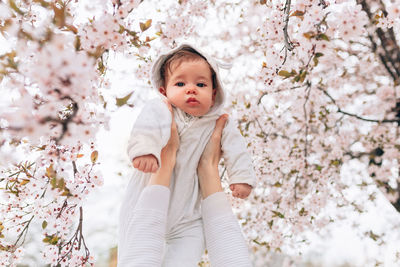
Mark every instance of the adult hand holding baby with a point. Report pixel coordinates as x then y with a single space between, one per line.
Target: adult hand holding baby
148 163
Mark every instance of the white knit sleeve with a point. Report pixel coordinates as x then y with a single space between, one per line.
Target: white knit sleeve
236 157
144 237
151 130
224 240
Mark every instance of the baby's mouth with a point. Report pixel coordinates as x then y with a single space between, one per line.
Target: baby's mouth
192 100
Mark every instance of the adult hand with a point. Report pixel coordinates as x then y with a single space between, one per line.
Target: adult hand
173 143
168 155
207 168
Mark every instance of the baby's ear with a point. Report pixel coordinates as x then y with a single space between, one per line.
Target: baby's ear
162 91
214 95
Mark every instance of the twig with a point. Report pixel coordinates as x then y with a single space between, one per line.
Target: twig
76 238
308 89
355 115
288 44
24 231
278 91
323 3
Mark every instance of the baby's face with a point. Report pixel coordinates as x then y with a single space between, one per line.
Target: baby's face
189 87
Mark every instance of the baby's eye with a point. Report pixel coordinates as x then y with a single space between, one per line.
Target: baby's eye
180 84
201 84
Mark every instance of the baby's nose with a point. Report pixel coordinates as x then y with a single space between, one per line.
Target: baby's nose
191 90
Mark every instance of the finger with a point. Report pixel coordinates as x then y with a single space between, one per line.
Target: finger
136 163
144 165
173 124
140 164
232 187
219 125
168 105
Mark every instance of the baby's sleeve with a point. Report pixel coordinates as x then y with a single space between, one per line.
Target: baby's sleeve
151 130
236 157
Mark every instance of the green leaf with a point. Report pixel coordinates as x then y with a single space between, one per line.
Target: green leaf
285 73
145 26
278 214
122 101
323 36
53 182
61 183
374 236
44 224
54 240
303 212
270 223
303 76
277 184
318 54
66 193
50 172
318 167
315 61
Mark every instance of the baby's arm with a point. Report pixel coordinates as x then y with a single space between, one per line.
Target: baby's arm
237 161
149 135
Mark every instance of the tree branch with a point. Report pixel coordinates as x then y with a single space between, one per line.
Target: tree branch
355 115
288 44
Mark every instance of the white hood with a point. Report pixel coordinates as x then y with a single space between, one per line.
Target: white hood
157 81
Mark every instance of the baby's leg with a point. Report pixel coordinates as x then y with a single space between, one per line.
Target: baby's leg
185 248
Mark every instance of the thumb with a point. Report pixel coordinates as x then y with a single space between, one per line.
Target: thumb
219 125
168 105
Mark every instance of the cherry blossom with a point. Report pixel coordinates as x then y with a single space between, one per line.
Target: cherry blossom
313 86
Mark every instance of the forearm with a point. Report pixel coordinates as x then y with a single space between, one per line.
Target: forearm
142 241
224 240
163 174
209 180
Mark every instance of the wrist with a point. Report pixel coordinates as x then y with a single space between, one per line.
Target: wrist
207 171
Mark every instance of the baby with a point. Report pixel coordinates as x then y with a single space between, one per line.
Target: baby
189 80
189 84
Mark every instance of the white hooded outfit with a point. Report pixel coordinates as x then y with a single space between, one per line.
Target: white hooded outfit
184 230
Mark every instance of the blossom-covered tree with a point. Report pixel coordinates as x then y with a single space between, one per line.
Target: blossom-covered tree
314 85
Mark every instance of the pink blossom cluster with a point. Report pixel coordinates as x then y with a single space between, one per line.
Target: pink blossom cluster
392 16
103 33
310 103
347 20
51 115
182 20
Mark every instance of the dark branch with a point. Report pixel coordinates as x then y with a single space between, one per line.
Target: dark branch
288 44
355 115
